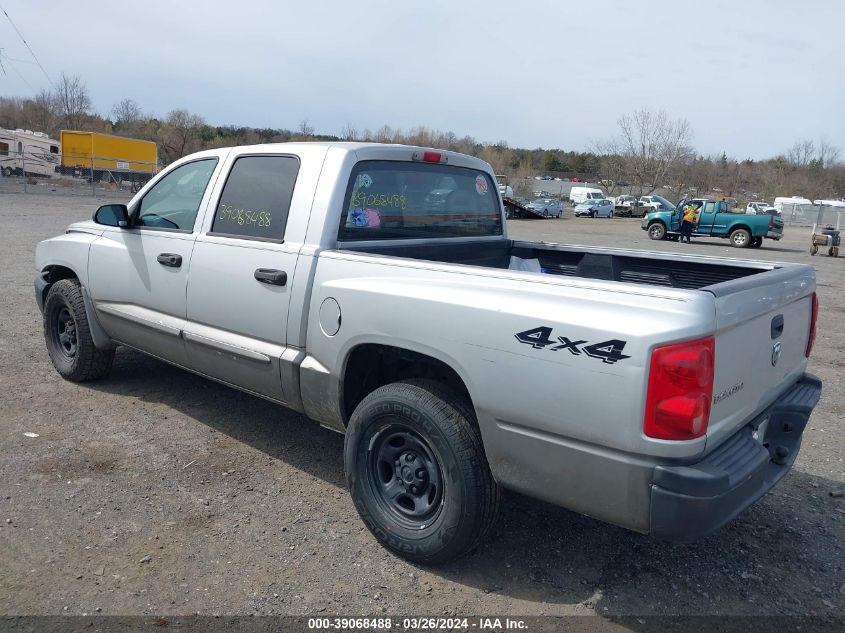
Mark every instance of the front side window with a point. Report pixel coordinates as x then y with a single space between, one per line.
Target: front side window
174 201
401 200
256 197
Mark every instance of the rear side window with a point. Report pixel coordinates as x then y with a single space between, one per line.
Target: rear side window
400 200
256 198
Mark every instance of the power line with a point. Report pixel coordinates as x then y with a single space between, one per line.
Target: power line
23 79
20 61
28 47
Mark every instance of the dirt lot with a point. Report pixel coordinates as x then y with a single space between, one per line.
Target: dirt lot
155 491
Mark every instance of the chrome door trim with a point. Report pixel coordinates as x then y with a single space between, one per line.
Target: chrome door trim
229 348
163 323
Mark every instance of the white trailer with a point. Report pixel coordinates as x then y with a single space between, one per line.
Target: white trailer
24 152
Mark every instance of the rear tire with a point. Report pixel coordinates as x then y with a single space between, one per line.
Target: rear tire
417 472
740 238
833 251
68 335
657 231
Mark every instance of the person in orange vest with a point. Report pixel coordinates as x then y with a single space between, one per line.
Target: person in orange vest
688 222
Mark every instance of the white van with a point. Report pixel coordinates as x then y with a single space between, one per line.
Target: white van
795 209
790 203
577 195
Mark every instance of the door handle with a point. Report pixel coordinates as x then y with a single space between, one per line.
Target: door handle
169 259
271 276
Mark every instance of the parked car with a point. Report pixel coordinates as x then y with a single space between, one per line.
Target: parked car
629 206
760 208
547 206
595 209
715 219
655 203
658 393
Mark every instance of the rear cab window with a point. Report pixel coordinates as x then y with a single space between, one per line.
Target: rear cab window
387 200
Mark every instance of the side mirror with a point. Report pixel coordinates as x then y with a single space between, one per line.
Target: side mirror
112 215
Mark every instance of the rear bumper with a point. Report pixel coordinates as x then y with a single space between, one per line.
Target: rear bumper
691 501
773 235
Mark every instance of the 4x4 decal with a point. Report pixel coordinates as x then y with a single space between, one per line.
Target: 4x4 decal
541 338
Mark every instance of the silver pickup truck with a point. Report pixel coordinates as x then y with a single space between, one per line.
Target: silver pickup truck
374 289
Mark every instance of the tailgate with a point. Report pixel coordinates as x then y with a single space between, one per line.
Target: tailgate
762 327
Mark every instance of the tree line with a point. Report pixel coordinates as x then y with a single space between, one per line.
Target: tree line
650 151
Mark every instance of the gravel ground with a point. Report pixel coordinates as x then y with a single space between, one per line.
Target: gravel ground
158 492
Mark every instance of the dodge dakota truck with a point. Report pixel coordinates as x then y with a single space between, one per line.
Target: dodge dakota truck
374 289
715 219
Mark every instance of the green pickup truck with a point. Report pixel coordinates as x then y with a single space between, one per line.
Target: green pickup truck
715 219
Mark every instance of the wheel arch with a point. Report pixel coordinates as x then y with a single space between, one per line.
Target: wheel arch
370 365
49 275
52 273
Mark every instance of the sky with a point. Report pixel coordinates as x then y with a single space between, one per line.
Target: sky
752 77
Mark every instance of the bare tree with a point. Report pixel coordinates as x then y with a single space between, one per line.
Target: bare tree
652 144
126 113
385 134
801 153
306 130
181 134
72 96
827 154
613 165
349 132
45 113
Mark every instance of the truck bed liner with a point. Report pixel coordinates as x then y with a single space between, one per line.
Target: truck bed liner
573 262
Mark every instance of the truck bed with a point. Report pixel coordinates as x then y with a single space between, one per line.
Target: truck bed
655 269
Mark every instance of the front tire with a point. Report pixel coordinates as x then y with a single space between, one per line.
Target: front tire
657 231
740 238
417 472
68 335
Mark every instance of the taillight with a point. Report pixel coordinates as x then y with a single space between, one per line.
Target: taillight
814 315
771 221
680 390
